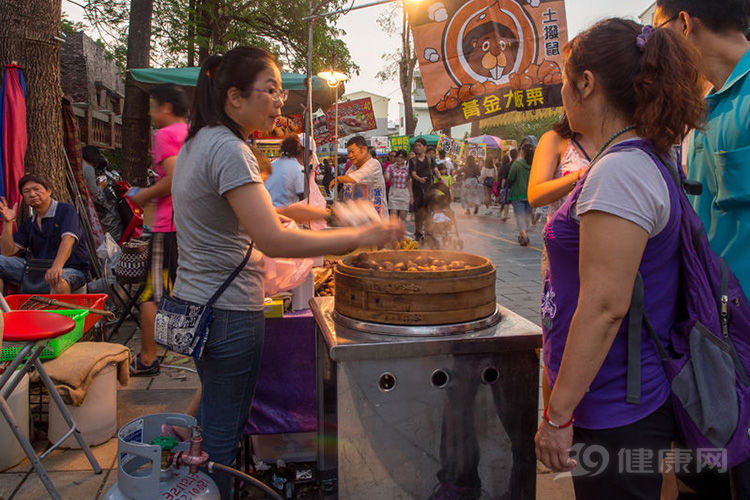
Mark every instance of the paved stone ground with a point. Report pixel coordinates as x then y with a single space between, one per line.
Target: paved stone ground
518 288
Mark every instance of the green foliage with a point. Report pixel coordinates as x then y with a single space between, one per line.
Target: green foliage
519 130
113 156
68 26
216 26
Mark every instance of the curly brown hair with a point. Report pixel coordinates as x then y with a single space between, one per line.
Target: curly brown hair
658 86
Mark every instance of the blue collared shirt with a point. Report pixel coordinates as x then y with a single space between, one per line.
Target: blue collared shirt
719 157
60 219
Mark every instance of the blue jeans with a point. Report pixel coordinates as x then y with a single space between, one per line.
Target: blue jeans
522 211
11 269
228 371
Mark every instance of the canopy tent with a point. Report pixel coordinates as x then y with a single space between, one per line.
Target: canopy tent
432 139
293 82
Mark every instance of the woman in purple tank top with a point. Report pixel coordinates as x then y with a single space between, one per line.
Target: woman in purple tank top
626 88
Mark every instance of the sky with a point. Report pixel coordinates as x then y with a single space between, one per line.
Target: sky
367 42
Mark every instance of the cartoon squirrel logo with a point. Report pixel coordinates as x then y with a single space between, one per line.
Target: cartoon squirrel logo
489 44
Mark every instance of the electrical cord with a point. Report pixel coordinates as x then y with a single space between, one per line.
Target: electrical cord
245 477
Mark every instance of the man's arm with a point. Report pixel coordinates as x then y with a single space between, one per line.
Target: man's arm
7 245
54 273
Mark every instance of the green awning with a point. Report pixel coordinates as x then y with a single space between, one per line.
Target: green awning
431 139
189 77
293 82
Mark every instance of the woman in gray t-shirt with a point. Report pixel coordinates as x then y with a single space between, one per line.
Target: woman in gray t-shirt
220 207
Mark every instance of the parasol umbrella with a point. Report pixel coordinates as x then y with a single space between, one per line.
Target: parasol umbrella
490 140
12 132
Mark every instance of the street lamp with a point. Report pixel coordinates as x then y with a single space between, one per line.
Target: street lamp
314 16
334 78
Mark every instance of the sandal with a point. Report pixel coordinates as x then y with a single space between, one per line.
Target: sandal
138 369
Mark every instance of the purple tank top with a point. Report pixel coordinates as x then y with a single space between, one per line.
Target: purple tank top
604 404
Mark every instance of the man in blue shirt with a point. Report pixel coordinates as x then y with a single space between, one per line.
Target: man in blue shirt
719 155
52 233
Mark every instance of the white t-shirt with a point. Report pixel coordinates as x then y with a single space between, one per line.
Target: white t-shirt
630 185
371 173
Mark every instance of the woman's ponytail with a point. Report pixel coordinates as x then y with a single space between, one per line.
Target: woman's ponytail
650 75
206 110
668 91
238 69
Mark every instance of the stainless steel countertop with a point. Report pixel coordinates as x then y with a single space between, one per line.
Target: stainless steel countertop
511 333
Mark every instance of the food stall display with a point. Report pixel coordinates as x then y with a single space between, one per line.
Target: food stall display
407 401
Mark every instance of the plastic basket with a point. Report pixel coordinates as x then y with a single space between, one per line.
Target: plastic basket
88 300
56 346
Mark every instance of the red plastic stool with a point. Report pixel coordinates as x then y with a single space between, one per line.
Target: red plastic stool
35 329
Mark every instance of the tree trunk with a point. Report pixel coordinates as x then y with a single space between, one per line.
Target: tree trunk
191 34
136 124
406 77
203 30
29 35
475 128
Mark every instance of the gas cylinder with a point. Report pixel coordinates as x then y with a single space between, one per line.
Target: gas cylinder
151 463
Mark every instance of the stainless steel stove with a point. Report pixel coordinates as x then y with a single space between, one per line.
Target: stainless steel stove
420 412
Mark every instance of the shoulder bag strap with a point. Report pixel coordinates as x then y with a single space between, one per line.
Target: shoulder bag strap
231 277
580 148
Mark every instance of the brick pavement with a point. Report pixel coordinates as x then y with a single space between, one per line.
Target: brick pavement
518 288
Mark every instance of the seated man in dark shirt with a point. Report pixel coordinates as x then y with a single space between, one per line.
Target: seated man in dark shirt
52 233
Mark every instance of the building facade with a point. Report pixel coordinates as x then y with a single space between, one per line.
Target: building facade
94 83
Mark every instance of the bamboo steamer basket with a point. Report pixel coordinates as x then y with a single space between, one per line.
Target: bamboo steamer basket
416 298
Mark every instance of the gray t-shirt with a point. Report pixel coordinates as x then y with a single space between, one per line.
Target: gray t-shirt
627 184
210 240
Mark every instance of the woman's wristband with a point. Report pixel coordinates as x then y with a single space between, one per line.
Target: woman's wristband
555 425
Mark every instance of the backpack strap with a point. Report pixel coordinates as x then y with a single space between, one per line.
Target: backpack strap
636 319
635 323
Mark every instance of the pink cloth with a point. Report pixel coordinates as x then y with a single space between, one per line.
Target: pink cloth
167 143
14 147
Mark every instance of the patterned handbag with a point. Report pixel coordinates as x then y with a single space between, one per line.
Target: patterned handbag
132 268
182 326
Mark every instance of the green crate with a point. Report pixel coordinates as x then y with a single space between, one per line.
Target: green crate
56 346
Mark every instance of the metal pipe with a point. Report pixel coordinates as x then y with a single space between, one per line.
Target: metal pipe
245 477
308 118
336 145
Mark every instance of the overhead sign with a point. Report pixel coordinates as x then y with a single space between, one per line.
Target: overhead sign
478 151
321 132
451 146
482 58
354 116
283 126
380 143
399 142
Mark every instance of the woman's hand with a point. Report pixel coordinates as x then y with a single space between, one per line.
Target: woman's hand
553 447
382 233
